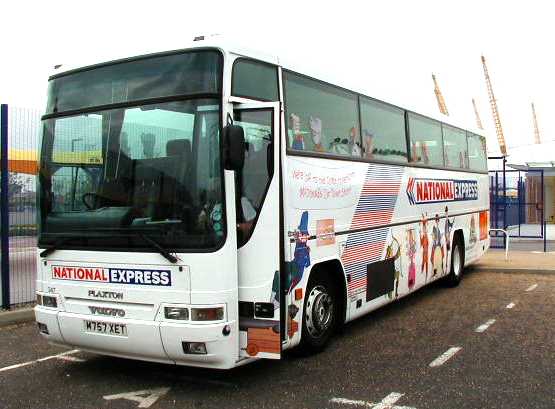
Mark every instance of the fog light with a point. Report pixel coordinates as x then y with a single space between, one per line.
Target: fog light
50 302
176 313
194 348
226 330
43 328
207 314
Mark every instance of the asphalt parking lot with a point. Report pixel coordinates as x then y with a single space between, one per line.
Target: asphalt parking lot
487 344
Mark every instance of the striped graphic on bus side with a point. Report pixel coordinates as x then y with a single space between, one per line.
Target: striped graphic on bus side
375 207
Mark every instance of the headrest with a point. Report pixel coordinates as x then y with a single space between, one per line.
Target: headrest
178 147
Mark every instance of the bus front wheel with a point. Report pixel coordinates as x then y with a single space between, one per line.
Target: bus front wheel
319 314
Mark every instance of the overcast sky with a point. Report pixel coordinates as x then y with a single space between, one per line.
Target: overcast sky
390 48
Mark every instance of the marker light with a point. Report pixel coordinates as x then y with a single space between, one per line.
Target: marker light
194 348
207 314
176 313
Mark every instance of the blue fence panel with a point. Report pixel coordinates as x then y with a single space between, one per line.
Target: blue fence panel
21 131
4 209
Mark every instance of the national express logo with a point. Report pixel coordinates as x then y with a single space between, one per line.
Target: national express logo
112 275
441 190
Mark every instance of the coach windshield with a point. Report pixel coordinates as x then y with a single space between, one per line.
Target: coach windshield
131 156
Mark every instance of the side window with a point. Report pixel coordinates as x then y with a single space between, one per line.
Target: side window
426 145
455 147
254 178
321 118
256 80
383 131
477 152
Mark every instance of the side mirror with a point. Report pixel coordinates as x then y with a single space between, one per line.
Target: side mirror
234 147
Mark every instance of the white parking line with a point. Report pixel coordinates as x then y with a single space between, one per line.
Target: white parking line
531 288
7 368
70 358
510 305
440 360
485 325
343 401
386 403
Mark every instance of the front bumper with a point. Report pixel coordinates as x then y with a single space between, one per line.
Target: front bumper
156 341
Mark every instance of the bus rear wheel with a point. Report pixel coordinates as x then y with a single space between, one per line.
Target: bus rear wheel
457 263
319 314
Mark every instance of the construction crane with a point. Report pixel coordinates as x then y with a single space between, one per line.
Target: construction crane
439 97
478 120
536 129
494 111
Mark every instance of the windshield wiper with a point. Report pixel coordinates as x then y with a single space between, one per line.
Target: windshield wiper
167 255
153 243
49 250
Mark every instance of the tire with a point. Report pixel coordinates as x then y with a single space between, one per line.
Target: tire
320 314
457 263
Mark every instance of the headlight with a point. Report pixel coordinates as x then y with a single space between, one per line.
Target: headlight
207 314
194 348
47 301
176 313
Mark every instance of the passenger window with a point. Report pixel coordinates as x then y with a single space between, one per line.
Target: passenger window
321 118
256 80
455 147
426 144
477 152
254 178
383 131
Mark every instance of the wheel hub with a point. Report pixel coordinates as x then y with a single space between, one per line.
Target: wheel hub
319 311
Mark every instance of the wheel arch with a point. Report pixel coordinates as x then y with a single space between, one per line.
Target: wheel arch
334 269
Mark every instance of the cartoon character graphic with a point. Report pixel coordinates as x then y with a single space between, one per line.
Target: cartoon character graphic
411 253
414 152
339 146
347 146
295 125
437 249
274 298
448 229
292 325
393 251
353 143
368 140
425 153
316 133
301 257
473 237
424 243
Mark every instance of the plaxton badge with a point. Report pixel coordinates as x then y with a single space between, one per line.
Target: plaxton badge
111 295
441 190
112 275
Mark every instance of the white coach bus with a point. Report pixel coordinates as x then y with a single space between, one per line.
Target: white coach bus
210 207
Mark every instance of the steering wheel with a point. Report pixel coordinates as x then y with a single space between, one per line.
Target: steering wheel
85 201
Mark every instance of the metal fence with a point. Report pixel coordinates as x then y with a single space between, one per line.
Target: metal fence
19 146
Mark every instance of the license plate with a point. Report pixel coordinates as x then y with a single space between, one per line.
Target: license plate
110 328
